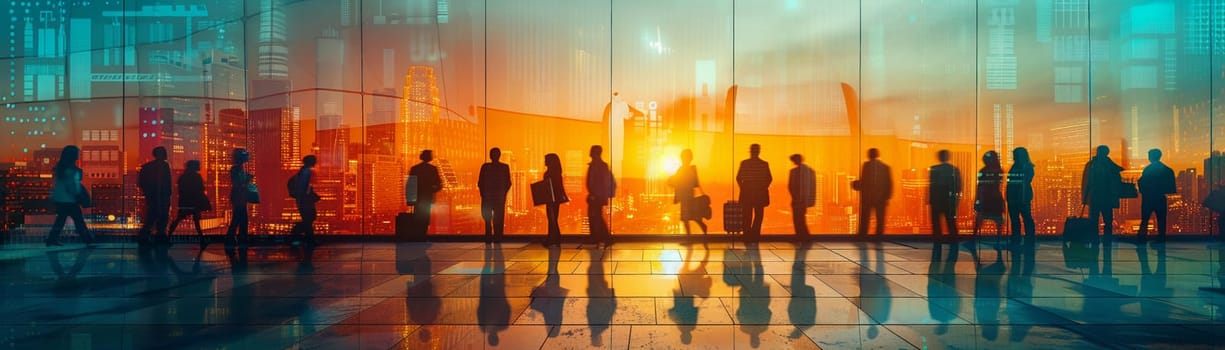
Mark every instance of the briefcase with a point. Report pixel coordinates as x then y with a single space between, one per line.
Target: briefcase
1128 190
543 192
404 227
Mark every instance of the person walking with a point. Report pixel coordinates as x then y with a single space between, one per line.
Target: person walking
802 184
943 196
155 184
601 188
875 186
1020 196
305 197
242 193
1100 190
192 199
68 196
429 183
1155 183
754 179
494 184
684 182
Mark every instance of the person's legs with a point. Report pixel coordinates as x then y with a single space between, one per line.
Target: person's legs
78 220
757 217
309 214
1108 223
1146 212
799 213
880 218
864 210
195 218
935 218
499 220
487 216
1095 214
701 224
148 220
595 218
163 218
61 215
551 212
950 220
174 224
421 216
1161 221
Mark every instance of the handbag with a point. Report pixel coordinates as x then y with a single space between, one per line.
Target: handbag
1128 190
703 206
252 193
84 199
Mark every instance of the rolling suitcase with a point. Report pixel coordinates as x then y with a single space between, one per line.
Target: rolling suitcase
1079 229
733 217
404 227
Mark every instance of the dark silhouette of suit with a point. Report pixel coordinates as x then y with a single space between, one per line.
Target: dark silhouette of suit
754 179
943 196
875 189
428 185
192 200
155 184
601 187
802 184
1155 183
494 183
1100 191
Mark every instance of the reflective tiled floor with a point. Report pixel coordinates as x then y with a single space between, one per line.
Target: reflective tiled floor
632 296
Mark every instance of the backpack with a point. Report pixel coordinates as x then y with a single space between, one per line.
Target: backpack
292 185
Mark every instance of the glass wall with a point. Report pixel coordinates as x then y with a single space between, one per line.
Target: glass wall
366 85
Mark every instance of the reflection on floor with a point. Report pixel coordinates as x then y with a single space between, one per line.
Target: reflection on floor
633 295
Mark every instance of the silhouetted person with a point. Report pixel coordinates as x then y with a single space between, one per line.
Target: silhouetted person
601 187
1100 189
943 195
942 282
754 312
692 283
1020 195
429 183
68 194
552 174
421 302
754 179
549 298
802 185
601 298
306 199
240 197
493 310
802 306
684 183
192 200
875 186
155 184
989 201
494 183
1155 183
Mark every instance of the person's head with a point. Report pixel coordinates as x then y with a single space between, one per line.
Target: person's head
241 156
1020 155
686 156
1154 155
873 153
68 157
754 150
552 162
596 151
495 154
309 161
192 166
1103 151
991 158
159 153
943 155
426 156
796 159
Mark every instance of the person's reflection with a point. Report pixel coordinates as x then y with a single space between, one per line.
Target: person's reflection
942 276
754 312
420 302
549 297
684 311
602 299
242 296
875 298
1153 282
987 296
493 312
66 280
802 307
1020 284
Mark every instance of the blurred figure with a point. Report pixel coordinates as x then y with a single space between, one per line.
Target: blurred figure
989 201
493 309
192 199
242 192
1020 196
684 182
1155 183
155 184
601 297
1100 189
601 187
943 195
494 184
305 197
754 179
429 183
552 174
875 186
802 184
69 196
754 312
549 298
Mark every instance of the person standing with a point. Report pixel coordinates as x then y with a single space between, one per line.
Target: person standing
802 184
601 187
989 204
241 194
1155 183
306 199
754 179
1020 196
192 199
429 183
875 186
494 184
1100 189
552 175
155 184
68 194
684 182
943 195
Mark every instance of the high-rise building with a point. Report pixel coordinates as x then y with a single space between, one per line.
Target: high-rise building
228 131
272 50
274 137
